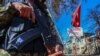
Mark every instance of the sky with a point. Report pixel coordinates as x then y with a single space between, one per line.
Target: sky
64 20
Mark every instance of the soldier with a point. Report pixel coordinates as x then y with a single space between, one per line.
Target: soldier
24 22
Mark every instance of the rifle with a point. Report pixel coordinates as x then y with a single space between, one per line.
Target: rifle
50 37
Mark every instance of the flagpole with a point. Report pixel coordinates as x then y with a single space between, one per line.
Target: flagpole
75 24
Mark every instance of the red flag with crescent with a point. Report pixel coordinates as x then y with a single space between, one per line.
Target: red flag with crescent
76 17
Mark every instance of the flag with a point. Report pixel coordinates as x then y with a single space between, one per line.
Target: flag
76 17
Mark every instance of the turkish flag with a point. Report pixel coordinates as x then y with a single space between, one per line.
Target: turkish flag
76 17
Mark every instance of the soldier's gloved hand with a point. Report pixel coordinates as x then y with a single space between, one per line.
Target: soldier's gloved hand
25 11
58 51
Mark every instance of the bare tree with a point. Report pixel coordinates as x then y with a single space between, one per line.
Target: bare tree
95 15
58 6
